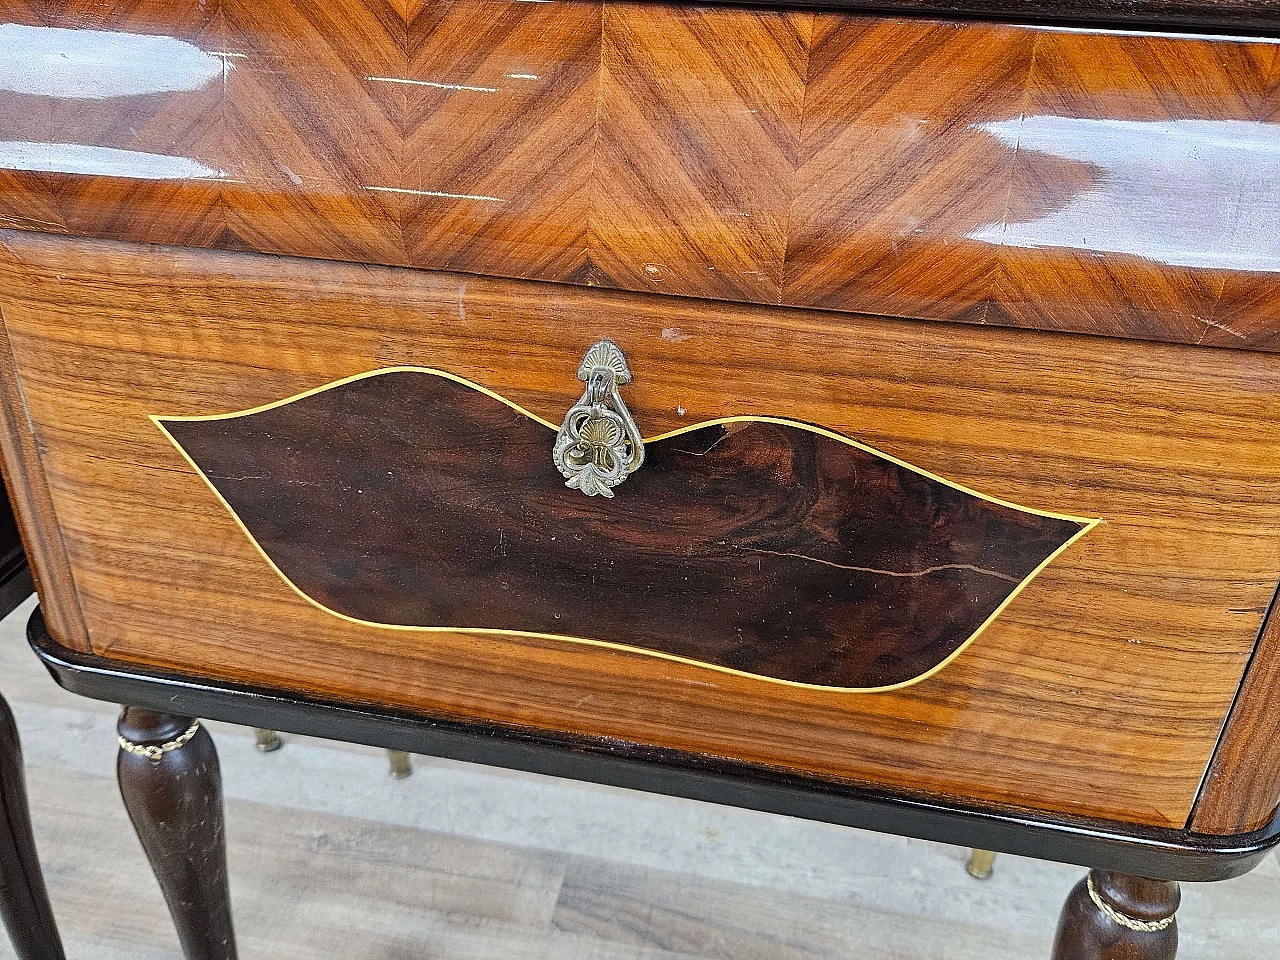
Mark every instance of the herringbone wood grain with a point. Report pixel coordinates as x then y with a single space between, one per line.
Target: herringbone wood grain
499 134
700 114
902 166
893 170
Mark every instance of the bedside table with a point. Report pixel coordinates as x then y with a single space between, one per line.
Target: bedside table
862 417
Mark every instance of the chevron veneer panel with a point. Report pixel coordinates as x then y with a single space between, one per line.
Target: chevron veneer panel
178 198
305 135
1129 212
499 136
1072 180
895 169
700 113
27 199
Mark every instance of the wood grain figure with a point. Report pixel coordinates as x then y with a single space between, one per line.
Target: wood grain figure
1101 691
935 506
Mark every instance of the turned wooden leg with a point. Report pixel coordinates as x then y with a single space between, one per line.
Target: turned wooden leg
172 788
24 904
1113 916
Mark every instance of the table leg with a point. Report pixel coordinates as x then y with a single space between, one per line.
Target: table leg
24 904
1113 916
981 864
267 741
401 765
172 788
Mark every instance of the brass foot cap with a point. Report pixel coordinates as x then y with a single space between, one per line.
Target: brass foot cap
268 741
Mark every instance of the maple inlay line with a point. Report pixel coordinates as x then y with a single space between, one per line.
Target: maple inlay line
888 573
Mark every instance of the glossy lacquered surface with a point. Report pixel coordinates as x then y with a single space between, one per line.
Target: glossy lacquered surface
1100 691
1242 785
1118 183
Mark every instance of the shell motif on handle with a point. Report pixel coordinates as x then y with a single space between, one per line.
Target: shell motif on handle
599 445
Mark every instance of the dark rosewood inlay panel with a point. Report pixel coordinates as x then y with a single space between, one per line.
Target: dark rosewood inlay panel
409 498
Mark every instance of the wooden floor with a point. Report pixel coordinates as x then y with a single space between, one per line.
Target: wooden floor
331 859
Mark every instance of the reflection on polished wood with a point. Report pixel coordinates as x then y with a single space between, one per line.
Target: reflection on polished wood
1101 692
1076 180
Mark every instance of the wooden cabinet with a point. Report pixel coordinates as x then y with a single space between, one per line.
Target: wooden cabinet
952 346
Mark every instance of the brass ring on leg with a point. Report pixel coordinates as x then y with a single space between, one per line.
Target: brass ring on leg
1141 926
156 751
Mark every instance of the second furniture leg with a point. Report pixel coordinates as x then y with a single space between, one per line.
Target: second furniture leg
401 765
24 904
1114 916
172 788
267 741
981 864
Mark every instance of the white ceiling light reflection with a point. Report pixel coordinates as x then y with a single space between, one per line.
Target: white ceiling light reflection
101 162
438 193
439 85
97 64
1190 193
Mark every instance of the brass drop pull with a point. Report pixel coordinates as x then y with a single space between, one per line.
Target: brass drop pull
599 445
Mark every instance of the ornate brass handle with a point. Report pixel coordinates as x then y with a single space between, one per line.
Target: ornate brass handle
599 445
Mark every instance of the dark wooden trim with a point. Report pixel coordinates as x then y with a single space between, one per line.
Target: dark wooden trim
15 581
1253 17
1145 851
175 804
24 902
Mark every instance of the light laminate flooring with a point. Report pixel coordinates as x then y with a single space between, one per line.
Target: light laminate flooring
332 859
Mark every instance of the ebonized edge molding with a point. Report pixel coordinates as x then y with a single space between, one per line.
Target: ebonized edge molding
1170 16
1159 853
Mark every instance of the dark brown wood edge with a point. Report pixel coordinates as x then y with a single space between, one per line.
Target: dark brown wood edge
24 901
1088 927
1254 17
25 910
174 802
1241 788
1145 851
30 498
15 582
